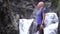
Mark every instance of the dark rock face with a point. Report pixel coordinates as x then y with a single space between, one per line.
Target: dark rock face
11 11
8 20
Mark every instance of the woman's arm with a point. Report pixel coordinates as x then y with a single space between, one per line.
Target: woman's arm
43 19
42 25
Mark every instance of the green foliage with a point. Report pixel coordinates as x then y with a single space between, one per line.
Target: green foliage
59 5
59 8
54 3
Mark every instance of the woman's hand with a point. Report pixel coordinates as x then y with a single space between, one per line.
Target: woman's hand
41 27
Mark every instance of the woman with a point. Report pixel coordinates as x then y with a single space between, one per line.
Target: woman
40 16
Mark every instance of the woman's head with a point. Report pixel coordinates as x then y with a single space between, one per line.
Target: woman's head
40 4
